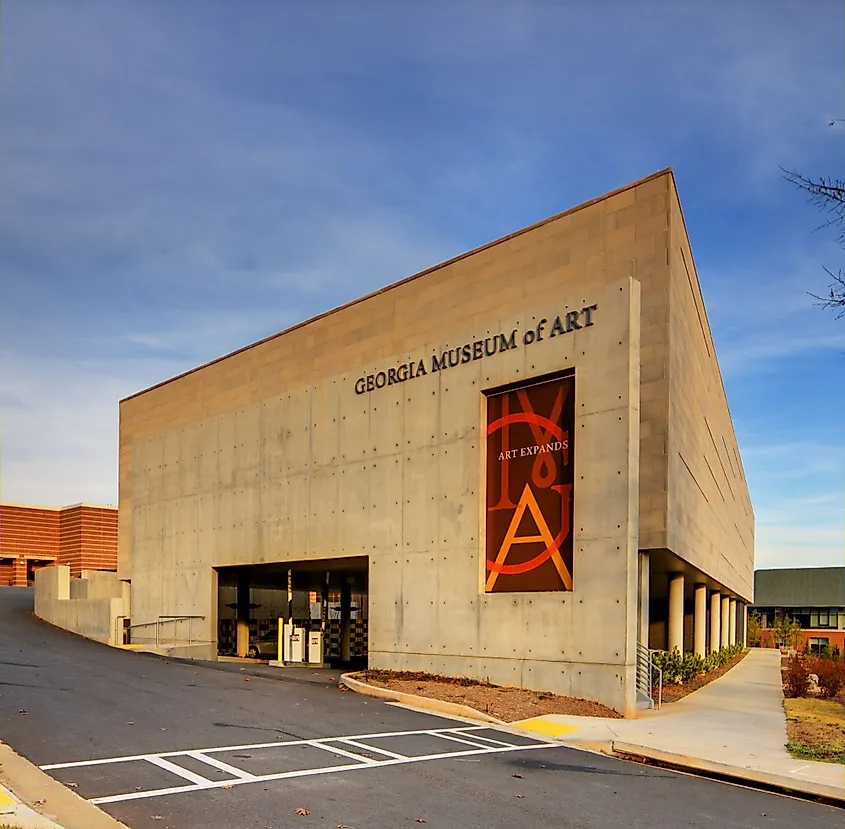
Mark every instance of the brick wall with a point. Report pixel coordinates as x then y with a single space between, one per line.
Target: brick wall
13 572
81 536
88 538
28 531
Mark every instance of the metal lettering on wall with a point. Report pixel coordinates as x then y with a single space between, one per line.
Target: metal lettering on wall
488 347
530 459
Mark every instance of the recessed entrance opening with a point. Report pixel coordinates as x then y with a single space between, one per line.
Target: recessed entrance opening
329 596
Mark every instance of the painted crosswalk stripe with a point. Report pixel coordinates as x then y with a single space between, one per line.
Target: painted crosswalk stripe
464 736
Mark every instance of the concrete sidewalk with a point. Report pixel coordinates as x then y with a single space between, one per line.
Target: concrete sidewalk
736 723
30 799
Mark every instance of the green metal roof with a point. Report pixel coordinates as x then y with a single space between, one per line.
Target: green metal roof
800 587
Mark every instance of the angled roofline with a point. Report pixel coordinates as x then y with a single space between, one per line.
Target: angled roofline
666 171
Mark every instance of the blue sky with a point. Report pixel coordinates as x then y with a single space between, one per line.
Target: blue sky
180 179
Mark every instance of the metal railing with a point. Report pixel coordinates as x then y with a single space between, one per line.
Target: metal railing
161 639
646 670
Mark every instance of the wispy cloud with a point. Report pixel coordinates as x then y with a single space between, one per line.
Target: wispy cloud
178 180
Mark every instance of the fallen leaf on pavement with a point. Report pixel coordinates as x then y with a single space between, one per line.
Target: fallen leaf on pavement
418 820
246 679
518 776
131 722
158 817
72 785
23 711
226 787
302 812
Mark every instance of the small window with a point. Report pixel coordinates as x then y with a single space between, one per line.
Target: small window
817 645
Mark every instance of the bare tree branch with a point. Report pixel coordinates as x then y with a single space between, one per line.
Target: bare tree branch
836 296
828 194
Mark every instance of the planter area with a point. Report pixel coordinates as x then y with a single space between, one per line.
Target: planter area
814 691
684 674
507 704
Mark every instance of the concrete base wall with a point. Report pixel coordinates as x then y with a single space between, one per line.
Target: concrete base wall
91 606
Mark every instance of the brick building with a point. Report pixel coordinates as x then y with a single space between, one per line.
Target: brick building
82 536
812 596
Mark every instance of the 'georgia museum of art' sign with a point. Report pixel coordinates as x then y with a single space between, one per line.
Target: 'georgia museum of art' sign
488 347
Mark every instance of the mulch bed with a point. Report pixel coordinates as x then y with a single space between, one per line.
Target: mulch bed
672 693
508 704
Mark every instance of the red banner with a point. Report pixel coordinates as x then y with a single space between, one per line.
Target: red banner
530 480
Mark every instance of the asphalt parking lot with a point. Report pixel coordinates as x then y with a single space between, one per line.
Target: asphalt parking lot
159 743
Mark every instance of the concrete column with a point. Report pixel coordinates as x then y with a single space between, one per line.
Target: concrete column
642 608
732 623
242 624
715 621
676 612
700 621
345 618
744 618
724 640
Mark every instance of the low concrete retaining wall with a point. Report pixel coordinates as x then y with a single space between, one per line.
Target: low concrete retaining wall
91 606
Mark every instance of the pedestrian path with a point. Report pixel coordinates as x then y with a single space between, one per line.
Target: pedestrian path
18 815
735 721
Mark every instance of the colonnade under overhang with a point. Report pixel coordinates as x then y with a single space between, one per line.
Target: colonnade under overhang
680 607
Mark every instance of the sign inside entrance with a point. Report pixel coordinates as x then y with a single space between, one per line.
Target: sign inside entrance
530 459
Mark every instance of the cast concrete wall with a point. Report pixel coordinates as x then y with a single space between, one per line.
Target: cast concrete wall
322 472
268 454
89 608
709 519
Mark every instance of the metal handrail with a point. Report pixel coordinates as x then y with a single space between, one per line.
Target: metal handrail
164 619
645 674
660 682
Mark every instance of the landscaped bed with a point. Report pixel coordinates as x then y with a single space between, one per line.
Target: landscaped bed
674 692
814 687
508 704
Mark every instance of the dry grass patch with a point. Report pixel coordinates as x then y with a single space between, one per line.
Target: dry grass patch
816 729
508 704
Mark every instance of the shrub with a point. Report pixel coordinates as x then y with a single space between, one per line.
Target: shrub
678 669
755 630
831 676
831 652
796 677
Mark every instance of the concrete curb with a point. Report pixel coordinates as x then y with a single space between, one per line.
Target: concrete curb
625 751
41 794
453 709
756 778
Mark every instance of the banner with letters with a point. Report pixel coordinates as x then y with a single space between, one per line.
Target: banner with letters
530 480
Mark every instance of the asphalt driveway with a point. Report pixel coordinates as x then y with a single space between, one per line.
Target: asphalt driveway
178 744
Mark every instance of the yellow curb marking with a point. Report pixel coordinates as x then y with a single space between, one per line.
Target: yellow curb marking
544 726
6 799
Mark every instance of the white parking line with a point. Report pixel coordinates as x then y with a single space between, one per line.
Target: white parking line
240 777
344 753
384 751
219 764
178 770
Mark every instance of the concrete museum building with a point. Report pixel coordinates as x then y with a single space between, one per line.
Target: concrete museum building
515 466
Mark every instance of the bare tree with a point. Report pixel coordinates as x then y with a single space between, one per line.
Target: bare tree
828 194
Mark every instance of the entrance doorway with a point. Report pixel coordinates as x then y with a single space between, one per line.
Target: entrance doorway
326 595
